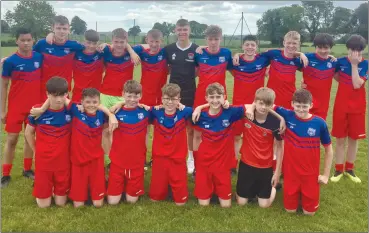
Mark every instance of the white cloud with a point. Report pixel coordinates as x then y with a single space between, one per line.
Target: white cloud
85 4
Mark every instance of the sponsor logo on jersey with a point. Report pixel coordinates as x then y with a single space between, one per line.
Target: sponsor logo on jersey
50 50
174 56
311 132
247 125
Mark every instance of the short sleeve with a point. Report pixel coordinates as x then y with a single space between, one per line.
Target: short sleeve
325 138
270 54
76 46
275 129
7 69
32 121
138 49
187 112
338 65
197 59
166 53
230 61
37 46
363 72
72 109
282 111
237 113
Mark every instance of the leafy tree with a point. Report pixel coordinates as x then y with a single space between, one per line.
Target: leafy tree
134 31
78 26
5 27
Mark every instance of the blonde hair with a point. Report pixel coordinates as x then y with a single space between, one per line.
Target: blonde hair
292 35
171 90
266 95
215 88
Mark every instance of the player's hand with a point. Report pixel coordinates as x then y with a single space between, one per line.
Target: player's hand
250 114
323 179
3 59
101 47
157 107
181 106
226 104
333 58
282 126
80 108
50 38
3 117
135 59
303 84
236 60
267 72
354 58
147 108
115 108
36 112
199 49
113 123
196 114
304 59
275 179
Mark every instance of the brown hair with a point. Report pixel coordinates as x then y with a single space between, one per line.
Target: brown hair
266 95
119 33
302 96
57 86
90 92
155 33
182 23
171 90
213 31
60 19
292 35
215 88
356 43
132 86
92 35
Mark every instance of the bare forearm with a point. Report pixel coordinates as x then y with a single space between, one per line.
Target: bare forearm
357 82
328 157
279 157
4 94
104 109
30 137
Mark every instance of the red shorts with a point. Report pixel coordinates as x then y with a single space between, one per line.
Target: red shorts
348 124
16 120
122 180
319 112
76 95
166 171
208 182
49 182
307 187
90 176
238 127
151 99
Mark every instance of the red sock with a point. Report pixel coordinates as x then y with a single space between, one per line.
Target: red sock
7 169
339 167
274 164
348 166
27 164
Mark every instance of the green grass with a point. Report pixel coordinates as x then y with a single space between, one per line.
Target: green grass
343 206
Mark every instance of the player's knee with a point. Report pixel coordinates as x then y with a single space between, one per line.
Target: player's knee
340 142
180 204
60 200
114 200
131 199
264 203
308 213
290 211
204 202
241 201
225 203
12 140
77 204
43 203
98 203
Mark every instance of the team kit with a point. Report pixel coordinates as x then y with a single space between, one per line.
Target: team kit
87 122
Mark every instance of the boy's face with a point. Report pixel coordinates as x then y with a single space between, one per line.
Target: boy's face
25 42
250 47
57 101
323 51
291 45
90 104
131 99
213 42
154 43
261 107
119 44
301 109
61 31
170 104
90 46
182 32
215 100
350 51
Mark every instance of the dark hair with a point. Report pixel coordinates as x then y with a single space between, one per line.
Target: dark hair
323 40
90 92
60 19
356 43
132 86
302 96
182 23
22 31
250 38
57 86
92 35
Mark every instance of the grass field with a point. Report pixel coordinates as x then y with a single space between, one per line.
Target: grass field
343 206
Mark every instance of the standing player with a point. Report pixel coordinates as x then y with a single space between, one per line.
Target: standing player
318 75
350 107
23 70
181 60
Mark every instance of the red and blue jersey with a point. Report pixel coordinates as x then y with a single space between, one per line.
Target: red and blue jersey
302 143
53 130
88 69
118 70
282 76
128 149
154 72
248 77
86 135
349 99
58 60
216 150
170 135
318 76
212 68
25 76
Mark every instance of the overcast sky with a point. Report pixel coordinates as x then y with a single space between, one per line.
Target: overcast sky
114 14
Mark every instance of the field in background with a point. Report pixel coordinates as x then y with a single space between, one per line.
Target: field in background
343 206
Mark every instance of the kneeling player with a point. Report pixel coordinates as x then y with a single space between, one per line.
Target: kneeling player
255 174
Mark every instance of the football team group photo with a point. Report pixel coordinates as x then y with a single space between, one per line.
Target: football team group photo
159 133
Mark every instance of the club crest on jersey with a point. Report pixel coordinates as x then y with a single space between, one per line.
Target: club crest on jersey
329 65
160 57
225 123
292 63
140 115
221 59
66 50
173 56
264 134
37 64
311 132
97 122
68 118
95 58
247 125
126 58
191 56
